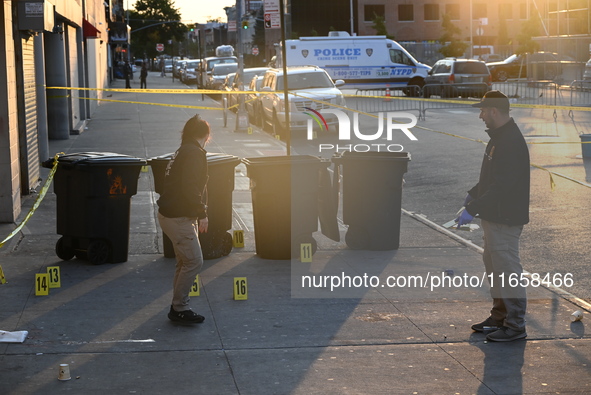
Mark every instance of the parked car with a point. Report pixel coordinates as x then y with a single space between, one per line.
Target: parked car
168 65
315 89
542 65
219 73
451 77
189 71
228 87
205 68
252 100
245 77
177 67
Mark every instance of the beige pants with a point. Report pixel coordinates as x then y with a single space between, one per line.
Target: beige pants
183 233
501 259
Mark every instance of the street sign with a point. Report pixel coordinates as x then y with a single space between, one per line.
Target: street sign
232 26
159 47
272 17
255 50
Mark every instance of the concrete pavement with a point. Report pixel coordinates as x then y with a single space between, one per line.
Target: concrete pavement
109 322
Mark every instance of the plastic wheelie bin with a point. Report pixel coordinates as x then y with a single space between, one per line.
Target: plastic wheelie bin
217 242
285 194
94 191
372 197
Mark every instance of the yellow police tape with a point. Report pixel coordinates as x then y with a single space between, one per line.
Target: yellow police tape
37 201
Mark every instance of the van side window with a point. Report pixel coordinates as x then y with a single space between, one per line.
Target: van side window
397 56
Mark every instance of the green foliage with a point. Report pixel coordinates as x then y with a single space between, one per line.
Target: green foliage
452 46
529 29
379 25
145 16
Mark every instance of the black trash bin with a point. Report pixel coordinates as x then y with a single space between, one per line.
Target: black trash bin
372 197
285 195
94 191
217 242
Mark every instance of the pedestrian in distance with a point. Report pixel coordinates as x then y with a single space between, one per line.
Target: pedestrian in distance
182 213
501 201
143 76
127 73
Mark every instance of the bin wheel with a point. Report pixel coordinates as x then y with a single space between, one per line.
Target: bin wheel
64 252
98 252
356 238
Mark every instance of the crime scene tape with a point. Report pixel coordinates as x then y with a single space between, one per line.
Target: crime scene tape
38 201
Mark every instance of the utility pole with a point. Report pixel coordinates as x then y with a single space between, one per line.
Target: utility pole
242 122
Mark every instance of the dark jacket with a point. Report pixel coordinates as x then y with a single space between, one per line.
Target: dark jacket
185 180
502 192
144 73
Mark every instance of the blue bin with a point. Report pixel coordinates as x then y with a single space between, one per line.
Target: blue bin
586 148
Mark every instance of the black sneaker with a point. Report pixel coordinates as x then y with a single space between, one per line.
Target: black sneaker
490 324
506 334
187 316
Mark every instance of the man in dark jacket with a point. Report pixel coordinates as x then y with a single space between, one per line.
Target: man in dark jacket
127 74
182 213
501 201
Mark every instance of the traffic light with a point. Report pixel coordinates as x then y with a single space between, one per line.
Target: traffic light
245 25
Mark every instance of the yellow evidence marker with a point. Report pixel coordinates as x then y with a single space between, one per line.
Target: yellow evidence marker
195 290
41 284
240 288
306 252
54 276
238 239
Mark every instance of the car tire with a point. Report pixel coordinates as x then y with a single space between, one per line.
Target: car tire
500 75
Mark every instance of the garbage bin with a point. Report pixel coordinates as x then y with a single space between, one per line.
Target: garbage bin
217 242
586 145
285 194
372 197
94 191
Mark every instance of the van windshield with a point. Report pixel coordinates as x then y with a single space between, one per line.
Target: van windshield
398 56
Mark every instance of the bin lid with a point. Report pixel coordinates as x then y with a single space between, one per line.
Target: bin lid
281 160
371 155
100 158
212 158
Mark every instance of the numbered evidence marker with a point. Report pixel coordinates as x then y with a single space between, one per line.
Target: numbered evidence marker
54 276
238 239
41 284
2 278
195 287
240 288
306 252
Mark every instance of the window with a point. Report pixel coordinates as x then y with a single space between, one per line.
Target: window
453 10
505 11
397 56
431 12
522 11
370 11
479 11
405 13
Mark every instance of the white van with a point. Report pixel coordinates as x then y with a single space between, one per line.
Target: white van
363 62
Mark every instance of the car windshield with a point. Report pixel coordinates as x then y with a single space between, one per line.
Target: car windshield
306 81
192 64
224 69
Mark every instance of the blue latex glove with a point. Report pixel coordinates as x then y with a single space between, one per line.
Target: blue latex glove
467 200
464 218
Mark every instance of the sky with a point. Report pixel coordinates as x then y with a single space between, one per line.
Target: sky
202 10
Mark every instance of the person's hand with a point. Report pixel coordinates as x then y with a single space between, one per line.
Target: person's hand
203 224
467 200
464 218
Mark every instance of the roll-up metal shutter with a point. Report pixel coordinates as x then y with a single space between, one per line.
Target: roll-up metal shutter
30 175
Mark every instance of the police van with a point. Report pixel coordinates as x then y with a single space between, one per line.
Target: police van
363 62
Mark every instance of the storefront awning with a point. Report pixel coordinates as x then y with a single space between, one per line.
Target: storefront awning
89 30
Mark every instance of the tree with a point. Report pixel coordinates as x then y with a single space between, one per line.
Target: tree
452 46
144 21
379 25
529 29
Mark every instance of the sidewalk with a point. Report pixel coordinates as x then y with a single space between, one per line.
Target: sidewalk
109 322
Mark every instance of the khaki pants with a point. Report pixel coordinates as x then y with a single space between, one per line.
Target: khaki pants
501 258
183 233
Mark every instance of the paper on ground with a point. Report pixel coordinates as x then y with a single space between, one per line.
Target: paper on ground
454 224
13 337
